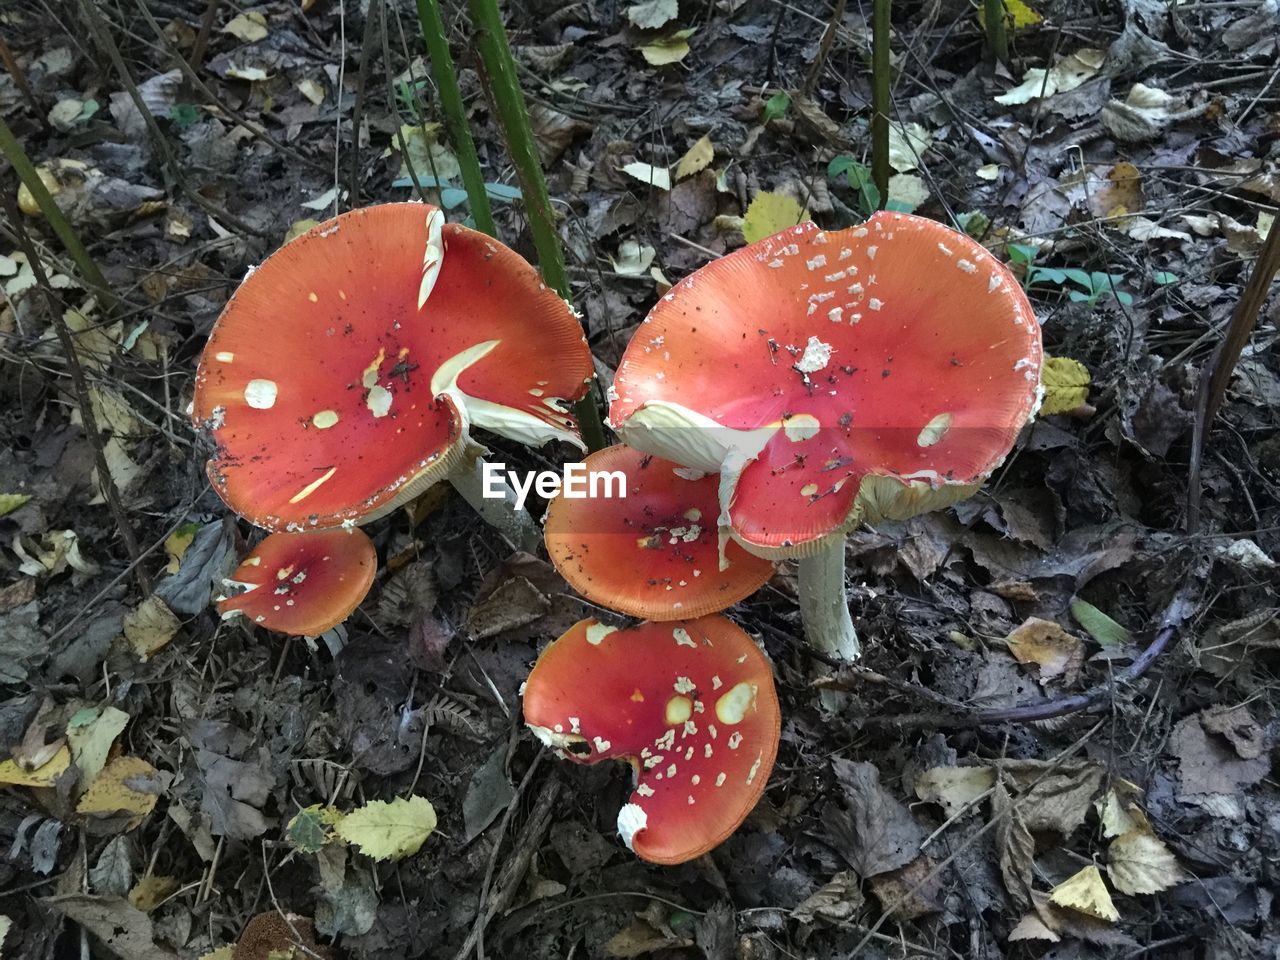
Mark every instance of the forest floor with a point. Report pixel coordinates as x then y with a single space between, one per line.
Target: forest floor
933 814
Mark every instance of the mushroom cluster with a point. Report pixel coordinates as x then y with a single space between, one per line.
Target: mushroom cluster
832 378
346 375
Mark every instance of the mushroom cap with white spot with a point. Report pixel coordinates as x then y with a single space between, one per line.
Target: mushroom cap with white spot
333 395
635 696
653 554
912 368
303 584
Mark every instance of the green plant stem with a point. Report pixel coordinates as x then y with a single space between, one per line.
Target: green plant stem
455 113
880 83
509 102
26 171
997 32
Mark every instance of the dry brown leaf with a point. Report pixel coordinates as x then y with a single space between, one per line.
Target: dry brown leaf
1015 846
955 788
1031 927
1054 652
150 626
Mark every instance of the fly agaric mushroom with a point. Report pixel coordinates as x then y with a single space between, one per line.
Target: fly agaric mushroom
345 375
833 378
303 584
690 704
653 552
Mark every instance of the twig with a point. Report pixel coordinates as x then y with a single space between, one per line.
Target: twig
105 481
20 79
824 49
30 178
454 112
202 38
881 27
362 79
499 74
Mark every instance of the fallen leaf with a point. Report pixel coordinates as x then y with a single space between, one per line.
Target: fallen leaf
310 89
1209 764
1054 796
1118 813
312 827
1139 862
1031 927
432 161
908 191
909 892
907 144
875 832
112 874
10 502
837 900
634 259
955 788
126 791
1086 893
90 733
175 545
1142 115
514 603
151 891
769 213
389 831
1015 846
659 177
1105 631
653 13
667 50
13 775
249 27
1066 385
124 931
1065 75
698 157
1054 652
150 626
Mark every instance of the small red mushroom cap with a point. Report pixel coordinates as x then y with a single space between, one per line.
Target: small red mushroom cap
345 374
303 584
833 377
653 553
689 703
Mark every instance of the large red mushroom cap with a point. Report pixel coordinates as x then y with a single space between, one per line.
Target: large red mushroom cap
653 553
689 703
303 584
343 377
833 377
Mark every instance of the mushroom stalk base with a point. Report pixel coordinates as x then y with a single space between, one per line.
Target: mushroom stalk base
824 608
501 513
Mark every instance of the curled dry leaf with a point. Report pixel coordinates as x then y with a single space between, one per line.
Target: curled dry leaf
14 775
659 177
1067 74
1054 652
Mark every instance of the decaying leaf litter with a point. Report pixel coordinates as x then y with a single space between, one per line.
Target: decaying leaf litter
167 777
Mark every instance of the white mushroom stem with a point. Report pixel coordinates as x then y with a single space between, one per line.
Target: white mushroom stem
514 523
824 606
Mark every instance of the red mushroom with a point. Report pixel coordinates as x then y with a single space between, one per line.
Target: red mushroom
652 553
303 584
346 373
833 378
690 704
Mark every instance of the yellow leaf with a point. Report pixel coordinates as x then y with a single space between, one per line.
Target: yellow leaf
151 891
178 541
128 786
1086 893
1055 652
770 213
1118 813
1023 15
430 158
1064 76
10 502
659 177
1066 385
91 733
150 626
698 158
1139 862
229 951
249 27
13 775
389 831
667 50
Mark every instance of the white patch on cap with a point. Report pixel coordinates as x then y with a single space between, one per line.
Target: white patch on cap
967 266
645 790
313 486
720 778
324 419
224 356
601 744
379 400
875 304
682 638
679 710
801 427
685 685
755 768
808 490
598 631
816 356
835 314
934 430
732 707
433 255
631 820
260 394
